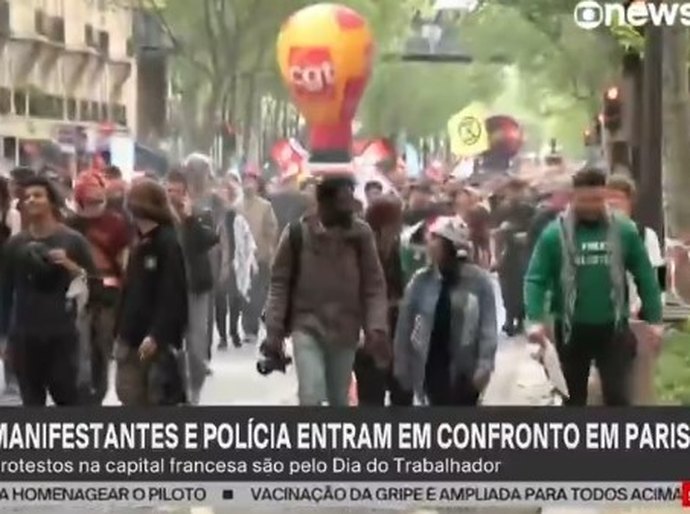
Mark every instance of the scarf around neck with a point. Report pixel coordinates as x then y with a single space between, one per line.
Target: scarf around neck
568 226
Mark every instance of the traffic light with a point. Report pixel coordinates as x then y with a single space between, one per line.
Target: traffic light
587 137
592 134
613 109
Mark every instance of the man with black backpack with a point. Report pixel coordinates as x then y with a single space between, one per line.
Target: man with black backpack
327 285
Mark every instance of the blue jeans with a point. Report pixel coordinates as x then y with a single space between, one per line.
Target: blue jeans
324 371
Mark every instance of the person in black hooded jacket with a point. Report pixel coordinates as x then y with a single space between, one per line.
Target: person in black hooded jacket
153 313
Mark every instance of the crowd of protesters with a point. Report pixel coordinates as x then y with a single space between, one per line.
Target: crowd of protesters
394 288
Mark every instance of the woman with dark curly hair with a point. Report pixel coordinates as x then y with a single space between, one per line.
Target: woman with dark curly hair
385 217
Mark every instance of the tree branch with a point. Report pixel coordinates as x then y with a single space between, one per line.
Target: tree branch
211 36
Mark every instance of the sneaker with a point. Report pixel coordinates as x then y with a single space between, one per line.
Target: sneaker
223 345
236 341
250 339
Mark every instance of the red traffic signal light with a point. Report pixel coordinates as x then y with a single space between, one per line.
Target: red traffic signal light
612 93
613 109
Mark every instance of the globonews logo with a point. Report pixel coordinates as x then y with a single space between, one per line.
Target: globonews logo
590 14
312 72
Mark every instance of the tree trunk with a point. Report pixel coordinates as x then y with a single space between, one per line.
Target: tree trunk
676 123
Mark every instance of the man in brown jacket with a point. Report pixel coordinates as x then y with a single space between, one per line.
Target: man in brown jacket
264 227
325 299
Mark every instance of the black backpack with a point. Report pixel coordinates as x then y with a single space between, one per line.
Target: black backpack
295 236
295 239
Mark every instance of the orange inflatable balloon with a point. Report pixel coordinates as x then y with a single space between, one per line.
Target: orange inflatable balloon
325 57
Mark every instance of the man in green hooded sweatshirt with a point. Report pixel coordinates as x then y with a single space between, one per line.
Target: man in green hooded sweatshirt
580 261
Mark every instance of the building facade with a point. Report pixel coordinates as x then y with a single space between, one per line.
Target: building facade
67 71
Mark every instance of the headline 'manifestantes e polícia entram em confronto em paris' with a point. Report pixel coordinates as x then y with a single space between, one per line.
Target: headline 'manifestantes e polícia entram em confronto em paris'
254 435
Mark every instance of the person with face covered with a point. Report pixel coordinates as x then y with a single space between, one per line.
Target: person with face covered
42 266
109 237
198 237
446 334
204 202
326 294
582 260
153 313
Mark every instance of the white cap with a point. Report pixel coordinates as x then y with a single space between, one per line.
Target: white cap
331 169
452 228
234 174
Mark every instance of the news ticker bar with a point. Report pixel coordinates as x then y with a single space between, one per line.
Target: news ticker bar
326 494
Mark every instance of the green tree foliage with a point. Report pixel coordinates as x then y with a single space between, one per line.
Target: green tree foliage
418 98
226 62
226 54
562 70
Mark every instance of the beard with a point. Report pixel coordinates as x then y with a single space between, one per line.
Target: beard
590 218
337 218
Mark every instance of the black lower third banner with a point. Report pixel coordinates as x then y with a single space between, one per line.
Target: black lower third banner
298 444
513 450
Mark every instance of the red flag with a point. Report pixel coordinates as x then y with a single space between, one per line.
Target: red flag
288 156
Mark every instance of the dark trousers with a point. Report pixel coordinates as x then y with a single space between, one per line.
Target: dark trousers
228 303
47 364
461 393
373 382
251 313
511 277
612 350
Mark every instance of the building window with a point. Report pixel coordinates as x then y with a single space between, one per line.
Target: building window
71 109
40 23
84 110
89 37
104 42
5 25
58 30
57 105
120 114
37 105
5 100
20 107
9 149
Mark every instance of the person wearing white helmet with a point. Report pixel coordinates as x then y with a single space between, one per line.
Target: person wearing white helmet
446 335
